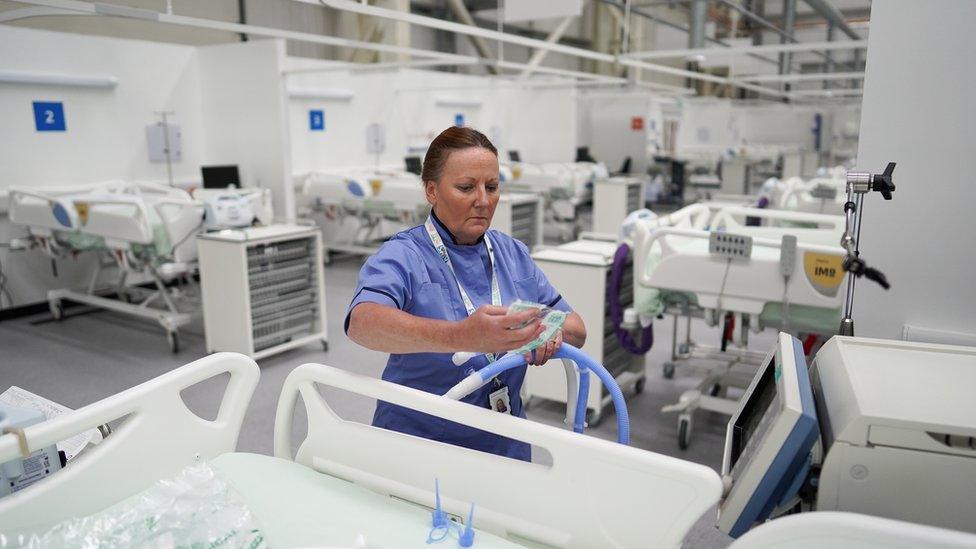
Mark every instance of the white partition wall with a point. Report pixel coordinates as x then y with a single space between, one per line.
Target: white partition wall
244 107
413 106
918 112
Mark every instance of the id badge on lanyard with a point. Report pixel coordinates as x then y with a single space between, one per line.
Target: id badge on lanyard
441 249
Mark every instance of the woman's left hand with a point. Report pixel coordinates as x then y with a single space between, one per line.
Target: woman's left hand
541 354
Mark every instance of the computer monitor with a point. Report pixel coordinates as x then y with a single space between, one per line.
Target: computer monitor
514 156
220 177
769 439
414 165
583 155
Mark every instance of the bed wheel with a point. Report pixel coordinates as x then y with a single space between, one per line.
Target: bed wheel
668 369
325 346
639 386
684 432
593 418
174 341
57 310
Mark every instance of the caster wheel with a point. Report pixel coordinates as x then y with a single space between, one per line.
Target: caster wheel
639 387
668 369
593 418
174 341
325 346
715 390
57 310
684 432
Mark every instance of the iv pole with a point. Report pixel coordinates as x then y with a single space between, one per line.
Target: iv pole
859 184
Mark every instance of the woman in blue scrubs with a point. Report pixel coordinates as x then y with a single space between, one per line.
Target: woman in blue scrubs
444 287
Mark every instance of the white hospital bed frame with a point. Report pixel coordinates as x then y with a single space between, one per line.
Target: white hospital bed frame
595 494
120 230
369 213
711 393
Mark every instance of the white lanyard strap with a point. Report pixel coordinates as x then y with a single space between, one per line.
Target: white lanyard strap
441 249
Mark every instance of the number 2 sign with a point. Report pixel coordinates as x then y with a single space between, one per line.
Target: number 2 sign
49 117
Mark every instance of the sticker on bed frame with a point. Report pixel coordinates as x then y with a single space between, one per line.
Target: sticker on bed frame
824 271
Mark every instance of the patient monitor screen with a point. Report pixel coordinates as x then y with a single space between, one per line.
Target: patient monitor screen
220 177
749 424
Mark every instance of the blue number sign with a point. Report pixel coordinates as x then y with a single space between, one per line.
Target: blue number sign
49 117
316 120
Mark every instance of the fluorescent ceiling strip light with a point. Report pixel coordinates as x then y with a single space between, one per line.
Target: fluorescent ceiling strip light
48 79
745 50
827 93
459 103
556 72
323 94
803 77
664 69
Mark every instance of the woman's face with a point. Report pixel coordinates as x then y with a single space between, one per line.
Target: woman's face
466 195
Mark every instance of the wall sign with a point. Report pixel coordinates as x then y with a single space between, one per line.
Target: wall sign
49 116
459 119
375 139
316 120
637 123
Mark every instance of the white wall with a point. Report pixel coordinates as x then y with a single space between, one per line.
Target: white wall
244 110
605 122
105 135
409 104
918 112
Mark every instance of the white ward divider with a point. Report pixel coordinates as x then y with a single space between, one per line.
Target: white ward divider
595 494
159 437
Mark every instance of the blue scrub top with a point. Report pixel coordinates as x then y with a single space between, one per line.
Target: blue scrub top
408 274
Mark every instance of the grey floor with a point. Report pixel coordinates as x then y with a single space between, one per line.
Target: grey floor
93 354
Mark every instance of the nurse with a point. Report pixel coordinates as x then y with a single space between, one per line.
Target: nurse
444 287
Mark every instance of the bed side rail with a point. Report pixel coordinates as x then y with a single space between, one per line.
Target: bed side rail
732 217
159 437
595 494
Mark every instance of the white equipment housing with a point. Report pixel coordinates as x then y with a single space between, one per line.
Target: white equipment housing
895 423
263 289
818 195
24 470
235 208
613 199
849 531
520 216
898 422
580 271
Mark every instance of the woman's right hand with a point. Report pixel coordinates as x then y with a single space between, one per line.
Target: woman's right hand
490 329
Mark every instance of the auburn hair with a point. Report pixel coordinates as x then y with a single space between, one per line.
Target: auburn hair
452 139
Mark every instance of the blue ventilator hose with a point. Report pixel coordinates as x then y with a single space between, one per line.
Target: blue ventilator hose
585 365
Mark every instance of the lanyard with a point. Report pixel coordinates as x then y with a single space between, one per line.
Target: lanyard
441 249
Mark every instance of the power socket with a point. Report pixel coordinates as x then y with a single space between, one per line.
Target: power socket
729 246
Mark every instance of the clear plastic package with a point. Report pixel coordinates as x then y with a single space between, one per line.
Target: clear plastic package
196 508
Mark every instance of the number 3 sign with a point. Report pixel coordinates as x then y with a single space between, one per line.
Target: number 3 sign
49 117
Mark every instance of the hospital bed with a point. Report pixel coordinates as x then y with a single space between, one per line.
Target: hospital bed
785 273
357 209
350 480
146 229
565 186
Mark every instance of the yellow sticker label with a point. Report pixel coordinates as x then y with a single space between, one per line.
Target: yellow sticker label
376 185
82 209
824 271
516 172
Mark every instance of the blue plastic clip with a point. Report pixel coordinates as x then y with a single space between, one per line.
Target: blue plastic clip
467 536
438 517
